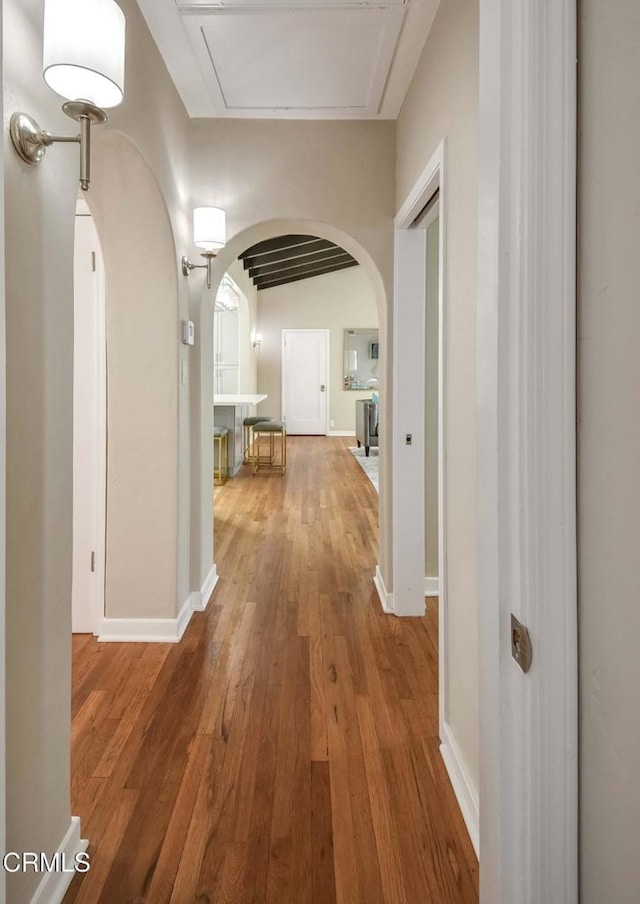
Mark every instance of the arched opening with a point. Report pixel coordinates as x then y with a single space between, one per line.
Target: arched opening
142 388
203 460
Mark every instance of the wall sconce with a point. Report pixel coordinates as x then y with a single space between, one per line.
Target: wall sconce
83 61
257 340
209 233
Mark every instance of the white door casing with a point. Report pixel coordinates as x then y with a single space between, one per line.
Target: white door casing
526 450
3 519
305 381
89 428
408 511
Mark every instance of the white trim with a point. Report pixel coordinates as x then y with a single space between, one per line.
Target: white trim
146 630
386 598
200 598
93 606
341 433
408 471
159 630
54 885
431 586
526 450
465 791
3 514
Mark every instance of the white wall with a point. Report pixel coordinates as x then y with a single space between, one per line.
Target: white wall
609 449
334 301
442 102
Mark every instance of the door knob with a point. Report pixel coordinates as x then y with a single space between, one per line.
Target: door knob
322 387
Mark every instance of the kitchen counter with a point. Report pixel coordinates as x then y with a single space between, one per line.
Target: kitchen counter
230 410
238 399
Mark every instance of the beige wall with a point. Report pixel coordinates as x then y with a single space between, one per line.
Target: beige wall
335 301
39 237
39 296
443 103
142 379
609 449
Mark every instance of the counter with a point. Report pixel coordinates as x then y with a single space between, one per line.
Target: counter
230 411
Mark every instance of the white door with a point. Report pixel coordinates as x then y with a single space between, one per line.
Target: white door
89 428
305 373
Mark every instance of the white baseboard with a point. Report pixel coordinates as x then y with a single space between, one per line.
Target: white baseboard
200 598
341 433
463 787
386 598
54 885
431 587
159 630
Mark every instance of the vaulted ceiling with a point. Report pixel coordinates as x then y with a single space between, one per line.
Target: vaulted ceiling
304 59
290 258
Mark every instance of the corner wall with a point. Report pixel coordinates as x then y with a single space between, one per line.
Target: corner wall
39 239
609 449
442 102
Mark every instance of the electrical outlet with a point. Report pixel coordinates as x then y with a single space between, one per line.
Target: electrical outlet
332 423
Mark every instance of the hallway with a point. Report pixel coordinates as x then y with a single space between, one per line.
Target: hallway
286 750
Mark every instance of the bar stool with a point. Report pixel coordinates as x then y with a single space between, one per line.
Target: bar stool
221 437
269 464
247 424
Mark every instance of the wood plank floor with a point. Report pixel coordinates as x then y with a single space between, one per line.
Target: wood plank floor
287 749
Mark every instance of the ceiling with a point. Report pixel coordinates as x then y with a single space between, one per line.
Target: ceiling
290 258
307 59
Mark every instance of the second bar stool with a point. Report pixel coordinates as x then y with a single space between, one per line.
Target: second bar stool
248 424
276 460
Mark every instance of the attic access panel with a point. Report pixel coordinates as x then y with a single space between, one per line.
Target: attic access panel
264 61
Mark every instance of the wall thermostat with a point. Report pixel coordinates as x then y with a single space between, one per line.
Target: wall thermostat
188 332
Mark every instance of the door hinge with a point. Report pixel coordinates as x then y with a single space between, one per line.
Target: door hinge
521 646
93 561
93 261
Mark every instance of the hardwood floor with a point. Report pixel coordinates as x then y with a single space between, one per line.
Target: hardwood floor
287 749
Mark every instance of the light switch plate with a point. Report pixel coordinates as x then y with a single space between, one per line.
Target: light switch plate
188 332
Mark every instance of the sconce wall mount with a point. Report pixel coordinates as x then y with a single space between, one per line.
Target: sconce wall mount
187 266
31 142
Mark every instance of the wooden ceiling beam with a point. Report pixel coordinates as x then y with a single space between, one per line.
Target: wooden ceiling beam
280 241
330 254
281 279
287 253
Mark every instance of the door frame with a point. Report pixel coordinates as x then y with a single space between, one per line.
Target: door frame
327 333
408 505
3 514
409 310
526 354
99 442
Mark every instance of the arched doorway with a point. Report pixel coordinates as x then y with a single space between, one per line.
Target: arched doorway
142 379
202 461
